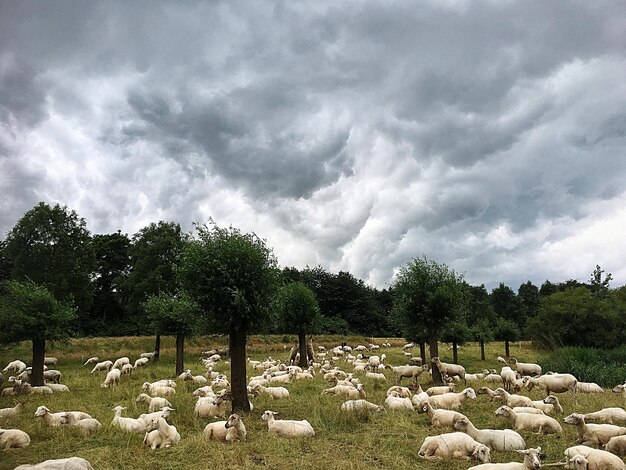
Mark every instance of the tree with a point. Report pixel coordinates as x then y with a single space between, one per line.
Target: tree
30 312
455 332
427 296
154 252
52 247
547 288
483 333
528 295
507 305
298 311
479 305
232 276
174 314
598 285
507 331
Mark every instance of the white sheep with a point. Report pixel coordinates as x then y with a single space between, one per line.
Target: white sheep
287 427
588 387
528 409
456 445
11 412
350 392
513 400
274 392
154 403
112 379
16 366
452 401
440 390
141 362
126 369
148 355
283 379
360 405
88 426
509 377
92 360
396 403
523 368
207 391
164 412
495 439
440 418
376 376
160 434
51 419
120 362
157 389
207 407
72 463
597 459
593 434
128 424
100 366
449 370
50 361
229 431
616 445
557 383
532 461
551 405
607 415
13 439
532 422
410 372
403 392
58 388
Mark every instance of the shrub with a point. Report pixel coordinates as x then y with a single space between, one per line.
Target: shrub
603 366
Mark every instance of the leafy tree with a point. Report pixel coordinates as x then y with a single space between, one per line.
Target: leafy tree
456 332
547 288
528 295
483 333
52 247
5 263
427 296
478 305
298 311
30 312
174 314
507 331
598 285
507 305
112 268
232 276
154 252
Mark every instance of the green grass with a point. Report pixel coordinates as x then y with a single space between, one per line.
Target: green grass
382 440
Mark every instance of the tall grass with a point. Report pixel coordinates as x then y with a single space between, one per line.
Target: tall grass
606 367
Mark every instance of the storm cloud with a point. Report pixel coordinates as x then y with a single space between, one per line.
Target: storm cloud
487 135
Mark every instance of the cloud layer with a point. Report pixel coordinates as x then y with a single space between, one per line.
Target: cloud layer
355 135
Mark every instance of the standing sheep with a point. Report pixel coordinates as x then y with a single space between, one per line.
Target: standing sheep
449 370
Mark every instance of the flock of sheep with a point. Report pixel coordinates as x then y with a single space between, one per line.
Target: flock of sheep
600 444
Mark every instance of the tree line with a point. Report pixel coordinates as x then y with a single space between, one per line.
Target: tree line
58 280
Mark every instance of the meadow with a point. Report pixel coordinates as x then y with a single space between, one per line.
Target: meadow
387 440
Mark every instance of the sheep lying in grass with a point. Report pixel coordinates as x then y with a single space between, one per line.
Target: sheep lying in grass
164 412
160 434
376 376
154 403
528 409
51 419
607 415
187 376
495 439
128 424
88 426
274 392
353 393
532 461
396 403
593 434
11 412
228 431
210 407
452 401
456 445
156 389
449 370
440 390
72 463
287 428
13 439
360 405
588 387
597 459
530 422
513 400
207 391
58 388
440 418
403 392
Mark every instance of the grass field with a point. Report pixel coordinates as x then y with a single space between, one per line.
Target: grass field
383 440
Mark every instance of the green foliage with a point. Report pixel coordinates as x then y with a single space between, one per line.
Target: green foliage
52 247
482 331
528 295
506 330
173 314
333 326
456 332
29 311
606 367
231 275
297 308
507 305
478 305
598 285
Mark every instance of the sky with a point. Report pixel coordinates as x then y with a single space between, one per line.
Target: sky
355 135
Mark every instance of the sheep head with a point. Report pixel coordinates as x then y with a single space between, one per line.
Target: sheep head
532 457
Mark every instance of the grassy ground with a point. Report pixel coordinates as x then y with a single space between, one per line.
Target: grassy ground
383 440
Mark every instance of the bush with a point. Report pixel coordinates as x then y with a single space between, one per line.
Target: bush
606 367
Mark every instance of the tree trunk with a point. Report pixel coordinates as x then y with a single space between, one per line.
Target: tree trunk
423 352
433 346
302 347
238 379
157 348
180 353
455 352
507 350
39 351
482 350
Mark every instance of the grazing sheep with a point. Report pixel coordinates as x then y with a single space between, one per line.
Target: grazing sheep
13 439
120 362
452 401
593 434
112 379
72 463
523 368
396 403
100 366
154 403
532 422
52 376
487 391
440 418
532 461
126 369
449 370
141 362
456 445
128 424
92 360
229 431
160 434
11 412
409 372
16 366
287 428
607 415
50 361
360 405
597 459
495 439
557 383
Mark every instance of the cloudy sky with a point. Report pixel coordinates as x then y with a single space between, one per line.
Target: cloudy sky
488 135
